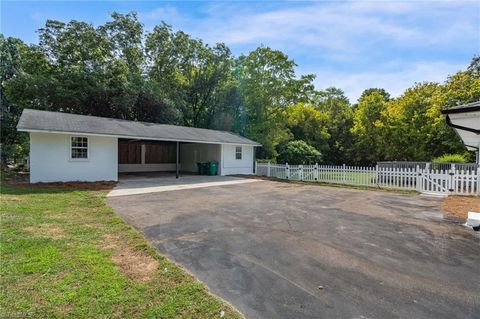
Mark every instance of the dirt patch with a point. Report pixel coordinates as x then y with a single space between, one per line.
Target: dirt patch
94 186
46 230
110 241
459 206
134 264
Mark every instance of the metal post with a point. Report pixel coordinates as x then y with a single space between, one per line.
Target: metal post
176 160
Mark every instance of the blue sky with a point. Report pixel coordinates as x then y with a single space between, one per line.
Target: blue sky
351 45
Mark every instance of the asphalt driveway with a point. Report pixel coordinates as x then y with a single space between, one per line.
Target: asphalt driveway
280 250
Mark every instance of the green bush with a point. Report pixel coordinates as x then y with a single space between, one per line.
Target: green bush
451 158
298 152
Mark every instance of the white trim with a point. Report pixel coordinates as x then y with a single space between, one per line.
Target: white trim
71 147
237 152
133 137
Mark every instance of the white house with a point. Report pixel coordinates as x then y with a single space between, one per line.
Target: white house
465 119
70 147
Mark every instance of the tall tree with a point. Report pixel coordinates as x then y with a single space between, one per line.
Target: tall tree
335 104
12 144
190 74
368 126
269 84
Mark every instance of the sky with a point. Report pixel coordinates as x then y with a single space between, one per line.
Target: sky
352 45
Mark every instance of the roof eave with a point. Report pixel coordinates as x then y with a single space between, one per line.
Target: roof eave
20 129
460 109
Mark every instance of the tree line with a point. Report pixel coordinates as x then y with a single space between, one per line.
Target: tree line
120 70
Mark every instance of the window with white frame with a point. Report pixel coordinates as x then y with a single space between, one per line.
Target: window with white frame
238 152
79 147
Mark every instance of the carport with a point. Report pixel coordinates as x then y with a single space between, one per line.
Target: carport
70 147
141 156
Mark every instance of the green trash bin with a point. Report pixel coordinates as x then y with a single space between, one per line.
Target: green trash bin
203 168
213 168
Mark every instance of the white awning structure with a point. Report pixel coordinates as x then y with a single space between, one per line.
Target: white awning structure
465 119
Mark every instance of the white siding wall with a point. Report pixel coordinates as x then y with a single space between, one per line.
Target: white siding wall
230 165
190 154
50 159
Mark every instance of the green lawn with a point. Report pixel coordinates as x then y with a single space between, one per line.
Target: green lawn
65 254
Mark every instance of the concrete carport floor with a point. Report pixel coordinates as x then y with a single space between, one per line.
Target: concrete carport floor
281 250
143 183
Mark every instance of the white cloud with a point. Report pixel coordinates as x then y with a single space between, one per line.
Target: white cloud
394 81
352 45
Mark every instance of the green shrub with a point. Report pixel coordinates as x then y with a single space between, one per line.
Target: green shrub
451 158
298 152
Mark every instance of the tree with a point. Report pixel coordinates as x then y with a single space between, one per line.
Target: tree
464 86
118 70
308 123
368 126
415 128
13 144
298 152
382 92
190 74
268 84
335 104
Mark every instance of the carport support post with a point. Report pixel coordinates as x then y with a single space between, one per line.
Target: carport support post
176 160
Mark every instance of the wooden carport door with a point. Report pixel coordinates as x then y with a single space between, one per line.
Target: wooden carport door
129 152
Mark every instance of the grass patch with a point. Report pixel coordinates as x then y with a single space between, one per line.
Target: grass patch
64 253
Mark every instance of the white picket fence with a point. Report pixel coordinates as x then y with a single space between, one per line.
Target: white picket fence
424 180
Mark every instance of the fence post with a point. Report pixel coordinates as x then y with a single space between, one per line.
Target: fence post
451 179
344 177
315 173
478 181
300 172
287 171
377 178
268 169
419 179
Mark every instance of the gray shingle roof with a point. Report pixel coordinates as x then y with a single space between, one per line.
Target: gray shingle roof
35 120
